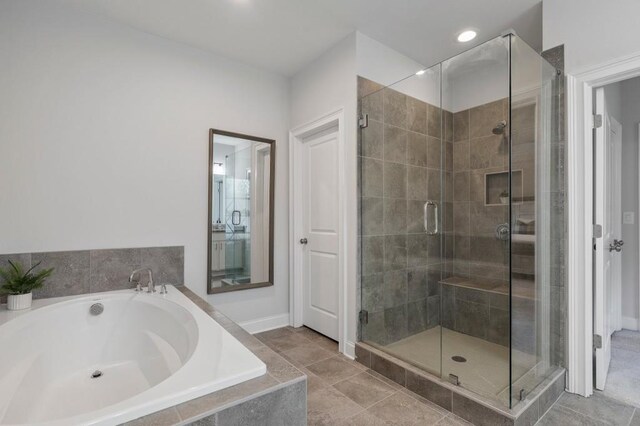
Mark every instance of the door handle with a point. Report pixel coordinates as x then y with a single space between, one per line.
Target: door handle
617 246
303 241
233 217
427 229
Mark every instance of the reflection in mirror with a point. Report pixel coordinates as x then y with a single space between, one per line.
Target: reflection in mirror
240 211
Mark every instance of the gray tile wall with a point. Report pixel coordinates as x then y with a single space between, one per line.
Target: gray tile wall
400 154
89 271
400 169
555 56
476 153
478 313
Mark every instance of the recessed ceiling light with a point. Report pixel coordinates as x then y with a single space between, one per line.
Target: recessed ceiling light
421 72
466 36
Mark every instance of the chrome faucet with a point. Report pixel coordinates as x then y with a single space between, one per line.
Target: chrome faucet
151 288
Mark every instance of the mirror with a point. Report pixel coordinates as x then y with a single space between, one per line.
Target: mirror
240 239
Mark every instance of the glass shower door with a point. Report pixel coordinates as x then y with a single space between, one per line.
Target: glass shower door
462 219
537 220
475 297
232 215
402 157
237 208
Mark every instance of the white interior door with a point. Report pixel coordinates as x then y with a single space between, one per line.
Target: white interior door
321 232
615 150
607 273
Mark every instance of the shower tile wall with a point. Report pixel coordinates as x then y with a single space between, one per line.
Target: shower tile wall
558 212
481 159
400 266
400 169
476 153
478 156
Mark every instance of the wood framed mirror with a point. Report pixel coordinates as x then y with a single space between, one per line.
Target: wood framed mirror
241 201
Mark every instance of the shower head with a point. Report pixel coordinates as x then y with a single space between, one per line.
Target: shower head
499 129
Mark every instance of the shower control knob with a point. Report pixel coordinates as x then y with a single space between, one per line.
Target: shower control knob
303 241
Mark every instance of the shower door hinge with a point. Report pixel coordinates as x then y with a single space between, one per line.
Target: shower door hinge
522 395
597 341
597 231
364 317
363 121
597 121
454 380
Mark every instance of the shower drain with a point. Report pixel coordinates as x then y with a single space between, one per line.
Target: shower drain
458 358
96 374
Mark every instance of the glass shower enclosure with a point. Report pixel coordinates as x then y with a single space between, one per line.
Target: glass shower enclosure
458 241
237 206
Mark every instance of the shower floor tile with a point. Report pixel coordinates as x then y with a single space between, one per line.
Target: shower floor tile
485 371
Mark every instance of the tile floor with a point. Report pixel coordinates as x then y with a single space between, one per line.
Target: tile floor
623 380
597 410
618 404
341 391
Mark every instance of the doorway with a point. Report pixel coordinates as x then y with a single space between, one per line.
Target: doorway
317 237
615 255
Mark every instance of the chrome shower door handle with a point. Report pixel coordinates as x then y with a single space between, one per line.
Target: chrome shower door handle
427 227
233 217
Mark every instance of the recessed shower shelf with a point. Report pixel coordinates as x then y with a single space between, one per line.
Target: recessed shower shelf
497 184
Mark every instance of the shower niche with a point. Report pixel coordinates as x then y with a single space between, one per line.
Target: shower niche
496 188
465 292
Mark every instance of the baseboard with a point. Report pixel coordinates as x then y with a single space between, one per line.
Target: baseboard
350 349
265 324
629 323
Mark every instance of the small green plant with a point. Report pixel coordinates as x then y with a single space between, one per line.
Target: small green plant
504 194
17 281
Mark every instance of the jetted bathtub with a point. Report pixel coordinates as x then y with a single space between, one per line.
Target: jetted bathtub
63 363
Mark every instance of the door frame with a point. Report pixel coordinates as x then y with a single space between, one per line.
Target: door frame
334 118
579 87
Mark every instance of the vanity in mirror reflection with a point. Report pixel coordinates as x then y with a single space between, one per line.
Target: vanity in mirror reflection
240 249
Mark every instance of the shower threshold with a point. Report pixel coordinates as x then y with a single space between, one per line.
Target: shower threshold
462 400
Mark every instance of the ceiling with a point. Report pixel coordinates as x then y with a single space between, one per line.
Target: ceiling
284 35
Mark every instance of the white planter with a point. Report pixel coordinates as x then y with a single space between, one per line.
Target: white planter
504 200
16 302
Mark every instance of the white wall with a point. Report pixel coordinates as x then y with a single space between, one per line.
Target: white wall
630 91
104 141
380 63
322 87
592 31
475 77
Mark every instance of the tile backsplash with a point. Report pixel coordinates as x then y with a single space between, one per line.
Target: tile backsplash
90 271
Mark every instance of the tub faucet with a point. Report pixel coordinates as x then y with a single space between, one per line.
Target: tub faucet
151 288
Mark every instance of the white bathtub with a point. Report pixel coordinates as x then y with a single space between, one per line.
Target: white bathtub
154 351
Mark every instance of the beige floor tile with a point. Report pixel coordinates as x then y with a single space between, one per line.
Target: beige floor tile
307 354
333 370
364 389
286 341
401 409
364 419
328 406
314 383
